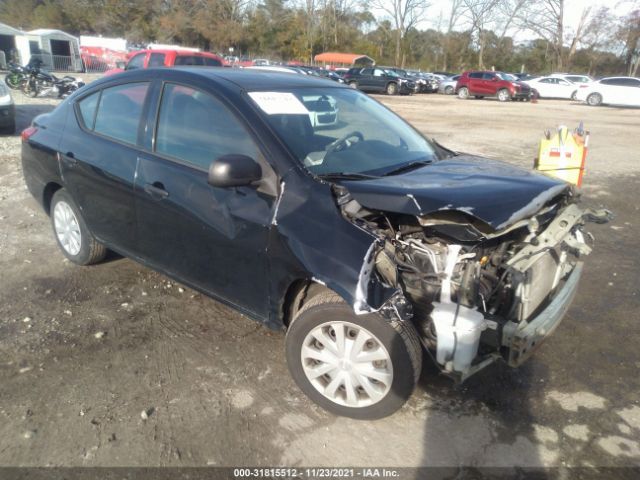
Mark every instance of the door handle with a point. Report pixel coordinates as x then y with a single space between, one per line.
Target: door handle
69 158
156 190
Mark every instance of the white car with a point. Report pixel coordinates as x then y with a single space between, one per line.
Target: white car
553 87
573 77
7 111
612 90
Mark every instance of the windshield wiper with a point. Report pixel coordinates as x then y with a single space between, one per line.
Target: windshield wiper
408 166
346 176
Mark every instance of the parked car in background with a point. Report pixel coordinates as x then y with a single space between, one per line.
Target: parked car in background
421 83
448 86
430 82
169 58
365 243
492 84
553 87
624 91
7 111
573 78
524 76
379 80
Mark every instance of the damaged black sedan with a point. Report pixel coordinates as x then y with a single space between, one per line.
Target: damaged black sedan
365 241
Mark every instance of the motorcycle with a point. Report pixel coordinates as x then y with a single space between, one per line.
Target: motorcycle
40 82
16 75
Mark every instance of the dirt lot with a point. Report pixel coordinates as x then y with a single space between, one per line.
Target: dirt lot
83 351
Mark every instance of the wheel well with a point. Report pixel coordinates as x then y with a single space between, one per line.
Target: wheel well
47 195
299 292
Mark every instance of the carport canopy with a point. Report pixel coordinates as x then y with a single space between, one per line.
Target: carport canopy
344 58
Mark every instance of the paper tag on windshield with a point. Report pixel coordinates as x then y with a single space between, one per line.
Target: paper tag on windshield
273 103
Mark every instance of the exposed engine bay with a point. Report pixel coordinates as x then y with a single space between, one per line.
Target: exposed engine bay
476 294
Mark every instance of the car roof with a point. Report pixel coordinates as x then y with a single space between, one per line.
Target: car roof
245 79
175 50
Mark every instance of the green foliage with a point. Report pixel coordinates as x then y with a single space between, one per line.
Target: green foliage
299 29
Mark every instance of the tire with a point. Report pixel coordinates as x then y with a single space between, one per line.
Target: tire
353 85
13 81
503 95
448 90
594 99
463 93
9 129
398 354
574 96
392 89
71 232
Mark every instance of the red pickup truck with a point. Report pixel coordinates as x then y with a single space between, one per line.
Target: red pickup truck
169 58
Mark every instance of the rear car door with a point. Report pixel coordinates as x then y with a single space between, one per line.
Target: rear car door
475 83
489 84
98 160
212 238
365 79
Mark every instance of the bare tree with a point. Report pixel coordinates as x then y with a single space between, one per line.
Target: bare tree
481 13
455 14
629 34
405 14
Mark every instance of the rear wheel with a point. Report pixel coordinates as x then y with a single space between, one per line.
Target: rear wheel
574 95
358 366
594 99
448 90
503 95
73 237
463 93
392 89
30 89
353 84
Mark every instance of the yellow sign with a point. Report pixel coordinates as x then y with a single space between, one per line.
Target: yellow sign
563 155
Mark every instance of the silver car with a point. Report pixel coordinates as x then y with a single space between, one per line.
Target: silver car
7 111
448 86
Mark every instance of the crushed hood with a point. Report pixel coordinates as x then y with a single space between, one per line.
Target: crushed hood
495 192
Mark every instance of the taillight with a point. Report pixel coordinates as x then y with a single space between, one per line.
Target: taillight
27 133
584 86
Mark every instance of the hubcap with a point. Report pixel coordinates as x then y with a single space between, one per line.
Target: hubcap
347 364
67 228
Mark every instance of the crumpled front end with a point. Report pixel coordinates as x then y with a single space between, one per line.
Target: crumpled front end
474 293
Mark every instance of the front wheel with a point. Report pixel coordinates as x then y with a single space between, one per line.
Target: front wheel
392 89
448 90
574 96
73 237
13 80
353 84
463 93
503 95
594 99
358 366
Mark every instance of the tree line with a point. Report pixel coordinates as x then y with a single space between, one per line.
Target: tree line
449 35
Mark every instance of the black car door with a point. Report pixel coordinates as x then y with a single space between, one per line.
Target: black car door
379 80
212 238
98 160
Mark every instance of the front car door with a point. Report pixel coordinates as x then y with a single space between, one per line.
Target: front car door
475 83
213 239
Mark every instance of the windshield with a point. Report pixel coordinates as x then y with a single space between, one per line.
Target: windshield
341 130
508 76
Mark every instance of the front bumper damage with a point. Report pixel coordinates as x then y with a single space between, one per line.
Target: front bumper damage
545 273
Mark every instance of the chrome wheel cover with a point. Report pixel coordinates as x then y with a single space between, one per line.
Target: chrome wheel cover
347 364
67 228
503 95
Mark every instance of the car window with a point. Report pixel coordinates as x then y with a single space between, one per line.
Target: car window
88 107
367 71
156 60
212 62
196 128
189 60
475 75
488 76
120 110
137 61
628 82
547 80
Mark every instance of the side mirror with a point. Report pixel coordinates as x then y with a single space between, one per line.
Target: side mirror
234 171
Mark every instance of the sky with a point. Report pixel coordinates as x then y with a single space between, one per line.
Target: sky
572 12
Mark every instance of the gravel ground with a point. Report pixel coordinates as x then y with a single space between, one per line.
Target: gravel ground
117 365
